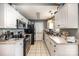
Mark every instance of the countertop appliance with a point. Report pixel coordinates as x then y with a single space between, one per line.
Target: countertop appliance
20 24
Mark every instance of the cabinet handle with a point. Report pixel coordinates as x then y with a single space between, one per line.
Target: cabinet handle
54 50
20 43
54 45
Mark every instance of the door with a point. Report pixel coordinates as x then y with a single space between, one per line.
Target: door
39 30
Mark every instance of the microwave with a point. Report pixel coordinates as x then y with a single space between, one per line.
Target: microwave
20 24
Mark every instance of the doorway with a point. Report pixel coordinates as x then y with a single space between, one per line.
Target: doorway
39 26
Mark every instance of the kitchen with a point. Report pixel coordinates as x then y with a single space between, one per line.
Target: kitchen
39 29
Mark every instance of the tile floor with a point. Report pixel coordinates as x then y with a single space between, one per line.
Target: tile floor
38 49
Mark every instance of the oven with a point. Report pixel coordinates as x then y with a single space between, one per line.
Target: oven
27 44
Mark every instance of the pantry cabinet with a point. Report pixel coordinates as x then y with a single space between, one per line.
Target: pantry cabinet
67 16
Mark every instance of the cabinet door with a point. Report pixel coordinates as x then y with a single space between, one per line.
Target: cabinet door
65 13
60 18
47 42
19 48
67 16
10 17
66 50
57 19
63 17
72 15
61 23
7 50
52 49
1 15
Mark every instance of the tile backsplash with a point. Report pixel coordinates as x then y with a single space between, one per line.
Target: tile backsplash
11 30
72 31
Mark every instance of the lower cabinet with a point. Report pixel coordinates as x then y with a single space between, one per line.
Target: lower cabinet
11 48
7 49
69 49
49 44
19 48
52 48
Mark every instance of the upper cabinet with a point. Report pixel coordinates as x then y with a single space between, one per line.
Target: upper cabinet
73 15
67 16
10 15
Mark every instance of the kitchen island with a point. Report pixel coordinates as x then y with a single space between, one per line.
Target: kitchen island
58 46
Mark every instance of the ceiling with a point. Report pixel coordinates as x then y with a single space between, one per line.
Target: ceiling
36 11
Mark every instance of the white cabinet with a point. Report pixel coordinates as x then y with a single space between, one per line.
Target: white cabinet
49 44
52 48
72 21
9 15
67 16
7 49
62 49
11 48
19 48
60 18
66 50
1 15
